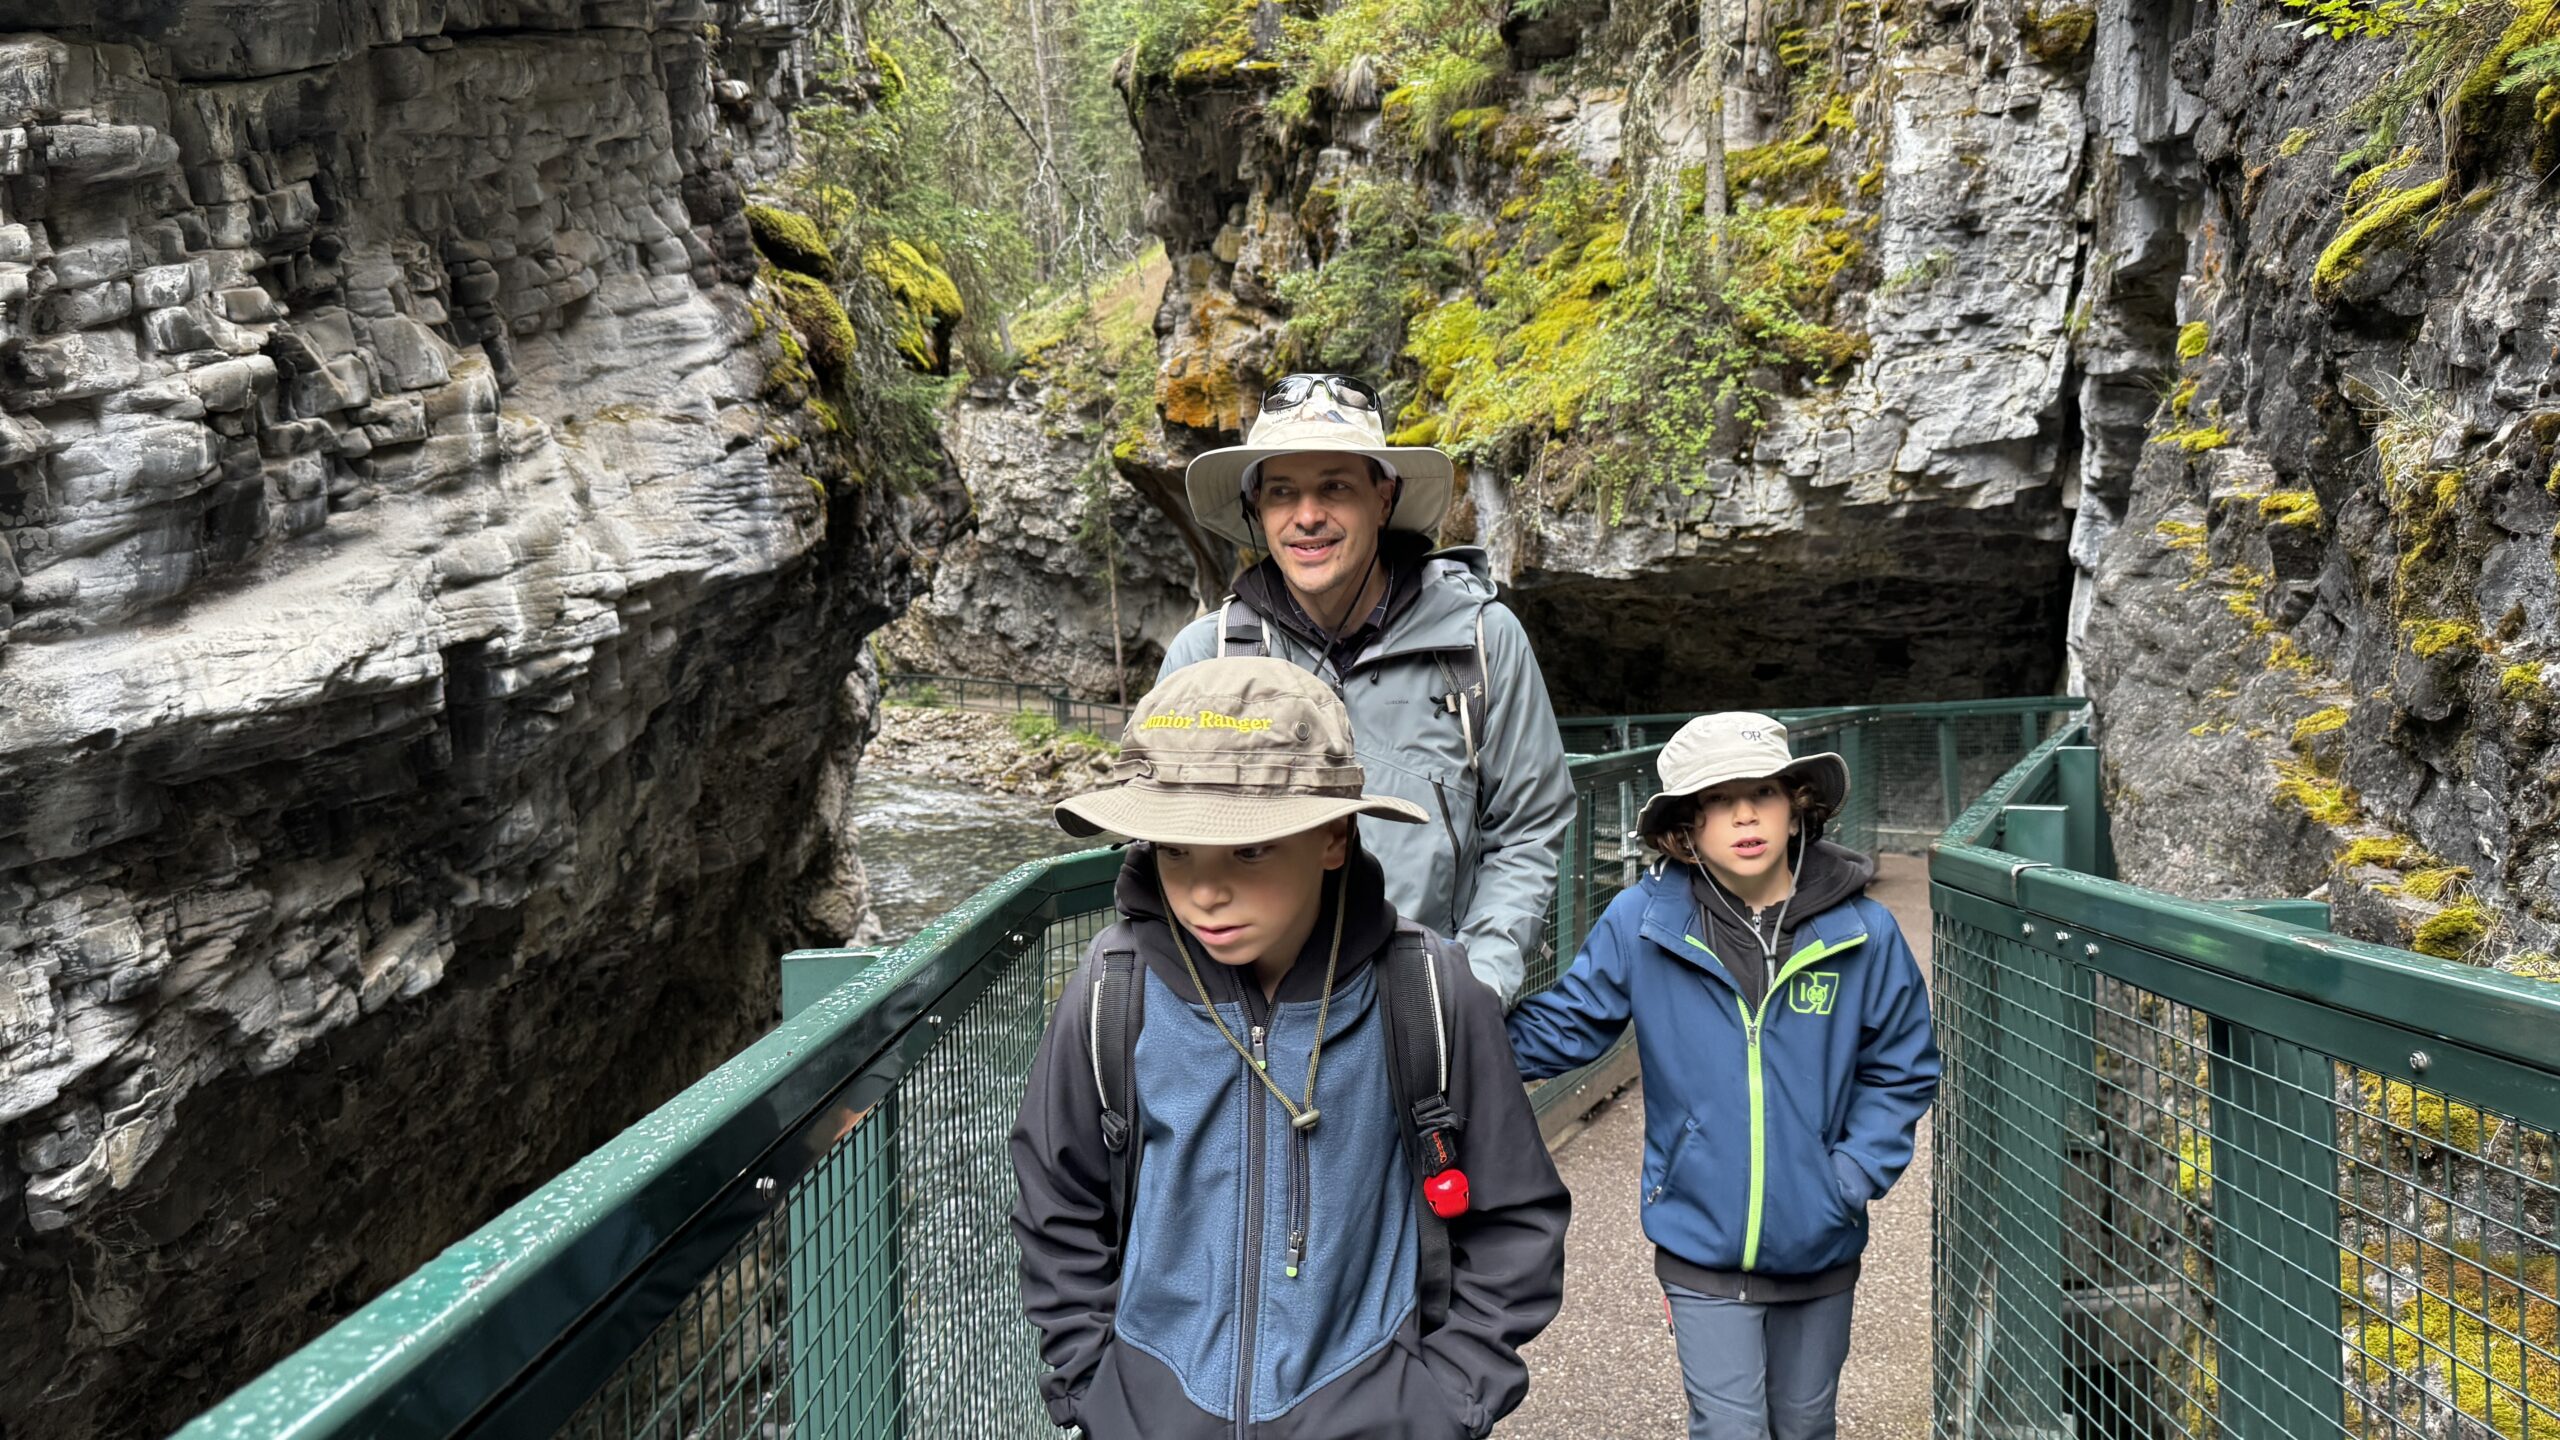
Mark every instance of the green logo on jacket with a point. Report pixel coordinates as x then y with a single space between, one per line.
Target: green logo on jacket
1814 992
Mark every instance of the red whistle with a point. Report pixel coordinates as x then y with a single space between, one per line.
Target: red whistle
1446 1193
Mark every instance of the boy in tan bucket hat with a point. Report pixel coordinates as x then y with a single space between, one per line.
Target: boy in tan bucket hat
1783 1029
1242 1200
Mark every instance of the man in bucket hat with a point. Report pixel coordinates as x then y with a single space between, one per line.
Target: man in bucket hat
1241 1199
1447 703
1783 1029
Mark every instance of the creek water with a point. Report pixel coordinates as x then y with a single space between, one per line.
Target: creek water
929 844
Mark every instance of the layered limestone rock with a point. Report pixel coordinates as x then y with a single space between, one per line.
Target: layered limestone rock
2324 631
1070 573
424 700
1061 556
1896 533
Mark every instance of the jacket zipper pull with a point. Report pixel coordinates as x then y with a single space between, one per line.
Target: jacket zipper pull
1260 1060
1297 1252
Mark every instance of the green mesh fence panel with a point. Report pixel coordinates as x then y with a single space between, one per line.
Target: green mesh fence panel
881 1300
2203 1170
2155 1218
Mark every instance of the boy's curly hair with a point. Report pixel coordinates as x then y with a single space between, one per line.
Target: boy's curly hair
1680 816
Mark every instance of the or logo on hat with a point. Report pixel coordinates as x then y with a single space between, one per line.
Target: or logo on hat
1814 992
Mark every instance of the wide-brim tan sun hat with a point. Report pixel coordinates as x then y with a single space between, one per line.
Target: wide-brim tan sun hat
1215 482
1238 751
1737 745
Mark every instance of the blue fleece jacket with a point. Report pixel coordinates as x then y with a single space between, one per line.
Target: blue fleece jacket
1767 1133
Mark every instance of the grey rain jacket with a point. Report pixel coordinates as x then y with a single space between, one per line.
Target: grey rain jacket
1197 1330
1485 873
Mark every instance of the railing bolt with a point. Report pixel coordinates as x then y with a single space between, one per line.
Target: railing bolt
2028 930
765 1187
933 1019
2418 1062
2090 949
2061 937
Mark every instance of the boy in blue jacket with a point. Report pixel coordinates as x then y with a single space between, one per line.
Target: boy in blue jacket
1787 1051
1264 1230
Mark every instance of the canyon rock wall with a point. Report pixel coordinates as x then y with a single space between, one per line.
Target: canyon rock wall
424 656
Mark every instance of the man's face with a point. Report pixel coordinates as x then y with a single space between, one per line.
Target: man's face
1248 902
1321 517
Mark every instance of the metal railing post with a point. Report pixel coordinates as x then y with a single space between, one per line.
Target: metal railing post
2043 1097
1853 752
1571 899
2273 1173
1630 844
1950 774
2076 775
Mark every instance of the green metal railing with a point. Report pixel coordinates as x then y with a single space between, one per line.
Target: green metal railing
971 692
812 1240
2206 1170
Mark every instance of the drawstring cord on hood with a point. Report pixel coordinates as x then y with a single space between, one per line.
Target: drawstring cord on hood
1777 933
1300 1119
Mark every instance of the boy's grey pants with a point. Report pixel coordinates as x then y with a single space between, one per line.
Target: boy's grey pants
1761 1372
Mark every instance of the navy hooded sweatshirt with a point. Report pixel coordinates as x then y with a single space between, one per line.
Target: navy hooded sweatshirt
1197 1328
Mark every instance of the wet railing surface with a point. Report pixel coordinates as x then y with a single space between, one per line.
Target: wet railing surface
2220 1174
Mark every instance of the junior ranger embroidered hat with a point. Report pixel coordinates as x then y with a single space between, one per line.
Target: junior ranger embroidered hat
1234 751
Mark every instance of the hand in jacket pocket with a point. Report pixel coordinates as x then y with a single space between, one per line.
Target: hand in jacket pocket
1851 1184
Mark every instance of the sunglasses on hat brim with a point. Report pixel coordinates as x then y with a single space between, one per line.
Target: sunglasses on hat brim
1290 391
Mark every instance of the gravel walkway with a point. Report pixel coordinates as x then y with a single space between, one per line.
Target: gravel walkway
1606 1371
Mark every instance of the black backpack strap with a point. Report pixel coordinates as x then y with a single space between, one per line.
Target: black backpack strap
1418 1072
1119 1009
1240 629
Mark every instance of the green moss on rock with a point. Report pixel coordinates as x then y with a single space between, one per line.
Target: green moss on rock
2289 507
2195 439
2382 225
2450 933
2389 852
2057 34
1775 168
2319 722
2432 882
2430 638
2476 99
2325 801
820 321
929 302
791 241
2192 339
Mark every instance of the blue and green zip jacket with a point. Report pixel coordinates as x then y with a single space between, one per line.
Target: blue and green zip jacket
1266 1287
1767 1131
